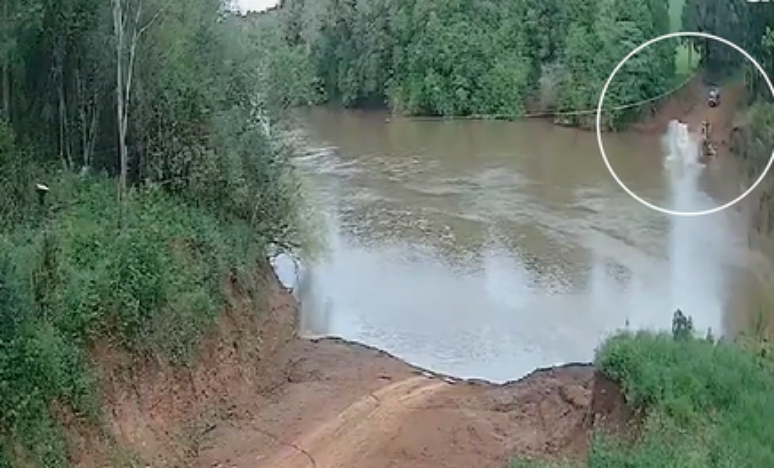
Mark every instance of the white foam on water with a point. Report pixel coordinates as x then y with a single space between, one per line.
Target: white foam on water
681 148
695 243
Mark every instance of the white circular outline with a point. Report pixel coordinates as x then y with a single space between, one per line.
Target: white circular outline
599 124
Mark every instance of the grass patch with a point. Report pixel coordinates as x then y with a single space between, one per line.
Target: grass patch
708 404
150 280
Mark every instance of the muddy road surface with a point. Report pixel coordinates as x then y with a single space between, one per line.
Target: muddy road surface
343 405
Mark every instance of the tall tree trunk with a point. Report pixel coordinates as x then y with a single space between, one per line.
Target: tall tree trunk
92 140
6 71
64 139
82 119
124 76
88 112
119 24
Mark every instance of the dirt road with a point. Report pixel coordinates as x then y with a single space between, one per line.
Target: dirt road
344 405
351 437
690 106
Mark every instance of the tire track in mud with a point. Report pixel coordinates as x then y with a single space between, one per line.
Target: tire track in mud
359 429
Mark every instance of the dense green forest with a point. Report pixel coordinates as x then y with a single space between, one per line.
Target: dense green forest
483 57
153 128
486 58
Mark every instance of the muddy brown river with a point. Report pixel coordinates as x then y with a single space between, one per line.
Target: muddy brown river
487 249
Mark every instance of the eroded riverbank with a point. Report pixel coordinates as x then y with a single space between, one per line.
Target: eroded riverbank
290 402
259 396
335 403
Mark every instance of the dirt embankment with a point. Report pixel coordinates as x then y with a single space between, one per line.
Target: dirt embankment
260 397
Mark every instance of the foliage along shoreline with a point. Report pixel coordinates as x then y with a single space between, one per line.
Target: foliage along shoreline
697 402
483 58
161 148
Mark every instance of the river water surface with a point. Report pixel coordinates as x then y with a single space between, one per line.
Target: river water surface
487 249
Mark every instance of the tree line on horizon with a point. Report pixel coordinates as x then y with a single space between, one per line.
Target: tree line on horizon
482 57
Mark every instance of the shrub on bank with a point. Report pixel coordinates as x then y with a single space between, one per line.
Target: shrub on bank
149 280
706 404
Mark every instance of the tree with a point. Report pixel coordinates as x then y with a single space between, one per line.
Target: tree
128 28
454 57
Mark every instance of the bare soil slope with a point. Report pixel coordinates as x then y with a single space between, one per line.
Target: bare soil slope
345 405
259 397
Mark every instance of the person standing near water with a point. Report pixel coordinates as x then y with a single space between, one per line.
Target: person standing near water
707 146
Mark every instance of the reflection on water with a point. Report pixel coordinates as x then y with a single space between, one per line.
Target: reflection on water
486 249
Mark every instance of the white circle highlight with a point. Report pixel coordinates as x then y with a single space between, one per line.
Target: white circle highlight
602 146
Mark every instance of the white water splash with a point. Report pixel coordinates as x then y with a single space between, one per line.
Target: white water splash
695 242
681 148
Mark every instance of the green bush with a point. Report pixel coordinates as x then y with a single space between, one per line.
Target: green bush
706 405
150 281
208 188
